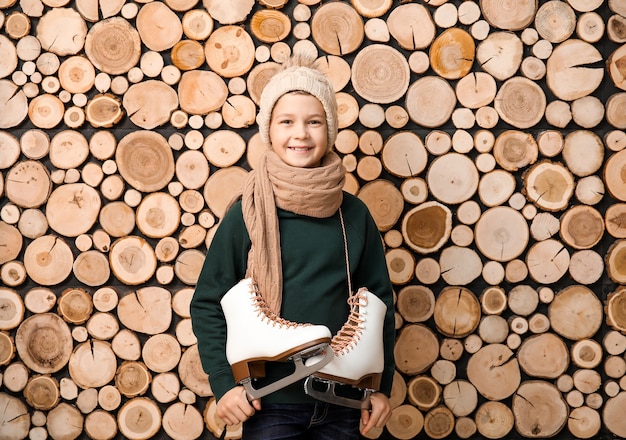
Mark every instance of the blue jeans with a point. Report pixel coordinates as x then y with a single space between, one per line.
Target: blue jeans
317 421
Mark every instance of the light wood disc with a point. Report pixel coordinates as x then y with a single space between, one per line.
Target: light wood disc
145 160
539 406
270 26
158 215
221 187
46 111
158 26
113 45
10 242
380 74
229 51
48 260
405 422
188 55
547 261
500 54
384 201
404 154
92 364
452 53
40 300
44 343
8 54
201 92
148 310
182 421
258 78
337 28
92 268
234 11
100 425
616 309
139 418
28 184
616 268
150 103
77 74
549 185
501 233
569 73
12 308
615 109
191 373
69 42
514 149
494 371
452 178
555 21
512 15
224 148
401 24
457 312
520 102
430 101
614 169
197 24
161 352
544 355
16 418
104 111
582 227
132 260
575 313
73 209
413 339
13 104
117 219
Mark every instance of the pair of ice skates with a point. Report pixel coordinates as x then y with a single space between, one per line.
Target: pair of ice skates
354 356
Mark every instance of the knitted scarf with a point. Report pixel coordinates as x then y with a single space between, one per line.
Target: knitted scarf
314 192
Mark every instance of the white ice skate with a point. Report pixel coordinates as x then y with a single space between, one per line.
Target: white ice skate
256 335
359 357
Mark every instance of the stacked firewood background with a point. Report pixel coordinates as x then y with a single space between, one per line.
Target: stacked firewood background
487 137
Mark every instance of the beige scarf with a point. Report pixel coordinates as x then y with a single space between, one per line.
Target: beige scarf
314 192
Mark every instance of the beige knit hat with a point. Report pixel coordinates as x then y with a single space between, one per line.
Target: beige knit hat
299 73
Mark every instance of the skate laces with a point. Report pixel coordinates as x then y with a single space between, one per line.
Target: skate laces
347 337
264 311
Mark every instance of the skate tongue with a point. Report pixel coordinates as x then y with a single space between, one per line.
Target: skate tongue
328 393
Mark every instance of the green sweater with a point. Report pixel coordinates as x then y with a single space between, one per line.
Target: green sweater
314 285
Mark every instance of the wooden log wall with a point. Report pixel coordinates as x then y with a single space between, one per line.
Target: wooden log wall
487 138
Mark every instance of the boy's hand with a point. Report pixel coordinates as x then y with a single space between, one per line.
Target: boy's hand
234 406
378 415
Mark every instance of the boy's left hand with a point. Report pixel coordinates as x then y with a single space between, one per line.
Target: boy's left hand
378 414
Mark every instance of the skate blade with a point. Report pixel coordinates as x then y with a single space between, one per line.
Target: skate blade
330 396
301 372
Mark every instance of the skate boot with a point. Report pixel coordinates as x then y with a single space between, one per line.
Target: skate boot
255 335
359 357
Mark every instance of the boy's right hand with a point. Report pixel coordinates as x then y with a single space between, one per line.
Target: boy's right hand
234 406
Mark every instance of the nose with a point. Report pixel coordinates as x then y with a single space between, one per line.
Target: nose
301 130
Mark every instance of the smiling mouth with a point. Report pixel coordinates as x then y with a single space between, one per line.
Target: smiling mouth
300 148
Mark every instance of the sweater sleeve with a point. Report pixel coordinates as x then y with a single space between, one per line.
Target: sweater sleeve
223 267
372 272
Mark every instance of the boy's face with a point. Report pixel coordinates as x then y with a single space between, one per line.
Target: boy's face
298 131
